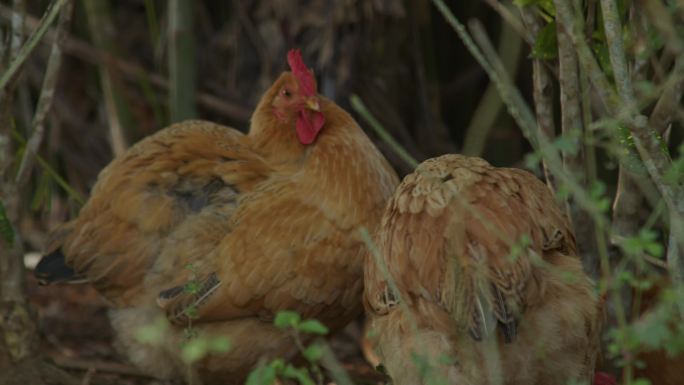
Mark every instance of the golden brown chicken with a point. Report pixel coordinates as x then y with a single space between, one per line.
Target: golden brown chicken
476 281
209 226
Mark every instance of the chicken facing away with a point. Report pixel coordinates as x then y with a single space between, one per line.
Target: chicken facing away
255 223
476 281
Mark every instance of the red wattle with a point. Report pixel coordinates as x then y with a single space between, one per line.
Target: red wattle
309 124
602 378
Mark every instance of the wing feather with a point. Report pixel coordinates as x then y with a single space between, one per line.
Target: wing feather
147 194
465 235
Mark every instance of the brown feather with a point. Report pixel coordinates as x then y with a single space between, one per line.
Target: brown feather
473 249
256 223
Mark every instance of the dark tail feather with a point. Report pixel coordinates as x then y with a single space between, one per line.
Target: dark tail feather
52 268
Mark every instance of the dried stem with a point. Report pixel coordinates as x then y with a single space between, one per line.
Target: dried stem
46 96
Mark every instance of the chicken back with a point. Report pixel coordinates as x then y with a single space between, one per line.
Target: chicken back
476 281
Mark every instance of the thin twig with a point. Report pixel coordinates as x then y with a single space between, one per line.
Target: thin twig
657 162
359 107
46 97
648 145
490 105
513 21
52 172
100 366
49 16
669 101
17 31
517 107
542 86
572 127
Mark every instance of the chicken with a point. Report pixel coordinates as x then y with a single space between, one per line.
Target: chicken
475 280
217 230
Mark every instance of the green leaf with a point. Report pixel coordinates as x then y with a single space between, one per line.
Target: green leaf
597 192
220 344
262 375
152 333
313 353
286 319
313 326
568 142
194 350
6 229
192 287
42 193
546 5
299 374
546 44
641 381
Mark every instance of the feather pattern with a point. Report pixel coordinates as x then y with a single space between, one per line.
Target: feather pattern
478 252
257 223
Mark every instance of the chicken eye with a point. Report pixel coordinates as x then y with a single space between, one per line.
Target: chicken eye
285 93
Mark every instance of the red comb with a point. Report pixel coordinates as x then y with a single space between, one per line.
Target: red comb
602 378
301 72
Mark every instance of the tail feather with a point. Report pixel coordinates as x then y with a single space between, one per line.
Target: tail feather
52 268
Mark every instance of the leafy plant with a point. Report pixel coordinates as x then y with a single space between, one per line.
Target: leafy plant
267 373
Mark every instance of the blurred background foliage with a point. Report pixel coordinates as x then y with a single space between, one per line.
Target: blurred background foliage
131 67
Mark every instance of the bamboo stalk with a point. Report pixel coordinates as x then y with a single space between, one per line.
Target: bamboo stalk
181 61
84 51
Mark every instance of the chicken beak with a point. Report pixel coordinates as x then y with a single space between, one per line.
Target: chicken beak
312 104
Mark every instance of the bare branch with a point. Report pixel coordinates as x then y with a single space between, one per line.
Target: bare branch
572 126
542 88
657 162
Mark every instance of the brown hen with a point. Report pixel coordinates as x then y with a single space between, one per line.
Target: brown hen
204 225
476 281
